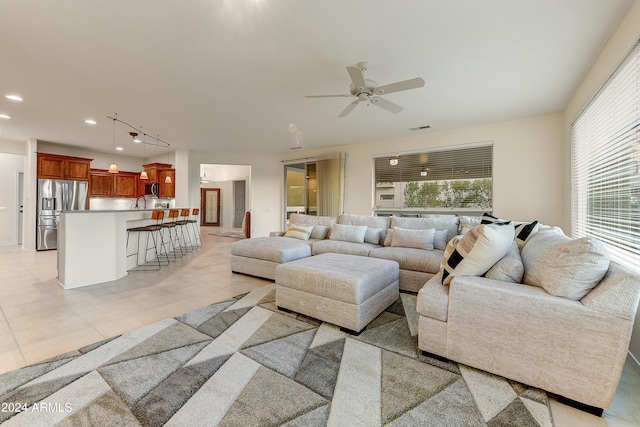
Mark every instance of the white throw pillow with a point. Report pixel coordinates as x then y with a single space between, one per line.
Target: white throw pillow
373 235
523 230
477 251
298 231
440 239
320 231
348 233
413 238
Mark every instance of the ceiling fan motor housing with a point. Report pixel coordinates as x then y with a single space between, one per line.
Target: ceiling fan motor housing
367 91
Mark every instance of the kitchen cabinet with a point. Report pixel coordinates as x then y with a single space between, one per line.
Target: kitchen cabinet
101 184
153 170
167 190
54 166
105 184
126 184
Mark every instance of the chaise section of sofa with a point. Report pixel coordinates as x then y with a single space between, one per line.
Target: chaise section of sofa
573 345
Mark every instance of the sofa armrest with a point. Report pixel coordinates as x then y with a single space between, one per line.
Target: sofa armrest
523 333
618 293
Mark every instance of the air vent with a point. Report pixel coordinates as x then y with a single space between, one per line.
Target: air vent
421 127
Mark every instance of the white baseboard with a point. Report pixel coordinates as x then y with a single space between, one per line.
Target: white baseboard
634 361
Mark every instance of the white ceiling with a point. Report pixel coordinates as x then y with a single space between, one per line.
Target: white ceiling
232 75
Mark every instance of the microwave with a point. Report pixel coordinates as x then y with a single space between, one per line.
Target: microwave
152 189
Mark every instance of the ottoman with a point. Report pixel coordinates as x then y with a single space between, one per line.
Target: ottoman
260 256
346 290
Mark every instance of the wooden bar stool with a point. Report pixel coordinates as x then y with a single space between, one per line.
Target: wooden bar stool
182 226
195 213
153 231
171 225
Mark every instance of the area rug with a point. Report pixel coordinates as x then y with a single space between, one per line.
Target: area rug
242 362
232 234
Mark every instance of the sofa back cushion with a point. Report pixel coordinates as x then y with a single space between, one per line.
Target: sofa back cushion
348 233
303 219
563 266
437 222
374 222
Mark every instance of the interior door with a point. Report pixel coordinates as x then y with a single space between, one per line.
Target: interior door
239 197
210 206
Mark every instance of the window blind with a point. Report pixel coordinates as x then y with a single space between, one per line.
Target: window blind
447 178
605 165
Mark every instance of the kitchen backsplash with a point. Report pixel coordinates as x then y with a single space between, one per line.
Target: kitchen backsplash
107 204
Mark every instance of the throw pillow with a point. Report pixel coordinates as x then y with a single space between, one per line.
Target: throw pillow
440 239
389 237
298 231
523 230
562 266
320 231
348 233
510 267
468 222
477 251
413 238
373 235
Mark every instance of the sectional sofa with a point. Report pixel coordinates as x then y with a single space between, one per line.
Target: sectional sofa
354 235
552 312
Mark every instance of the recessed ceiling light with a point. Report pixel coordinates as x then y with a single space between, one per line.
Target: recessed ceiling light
4 116
13 97
91 122
119 149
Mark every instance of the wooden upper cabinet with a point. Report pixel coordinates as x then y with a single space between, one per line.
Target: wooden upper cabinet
167 190
101 184
55 166
153 170
126 184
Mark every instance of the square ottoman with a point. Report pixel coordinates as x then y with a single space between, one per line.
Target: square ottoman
260 256
346 290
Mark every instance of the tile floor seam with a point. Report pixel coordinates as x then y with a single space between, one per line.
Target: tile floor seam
13 336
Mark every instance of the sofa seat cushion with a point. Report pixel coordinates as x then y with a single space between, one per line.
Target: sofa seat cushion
411 258
562 266
433 299
340 247
275 249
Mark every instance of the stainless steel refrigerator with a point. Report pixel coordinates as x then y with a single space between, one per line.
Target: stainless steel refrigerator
55 196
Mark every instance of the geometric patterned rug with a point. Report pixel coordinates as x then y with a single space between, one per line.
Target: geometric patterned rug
242 362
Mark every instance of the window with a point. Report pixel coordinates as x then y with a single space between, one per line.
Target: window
456 179
605 165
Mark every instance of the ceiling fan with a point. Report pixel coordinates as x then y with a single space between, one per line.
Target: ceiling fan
368 90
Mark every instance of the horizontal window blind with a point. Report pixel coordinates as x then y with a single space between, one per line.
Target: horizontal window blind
605 165
445 178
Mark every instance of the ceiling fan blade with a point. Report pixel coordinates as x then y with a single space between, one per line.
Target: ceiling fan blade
386 105
398 86
329 96
349 108
357 77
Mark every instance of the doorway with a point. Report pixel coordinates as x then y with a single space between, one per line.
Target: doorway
210 206
238 202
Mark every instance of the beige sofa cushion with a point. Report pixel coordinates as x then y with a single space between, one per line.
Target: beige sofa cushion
348 233
328 246
413 238
304 219
563 266
297 231
274 249
375 222
510 268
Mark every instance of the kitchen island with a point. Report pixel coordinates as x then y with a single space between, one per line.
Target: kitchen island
92 245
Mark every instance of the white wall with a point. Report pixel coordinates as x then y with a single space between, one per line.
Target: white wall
10 165
528 174
615 50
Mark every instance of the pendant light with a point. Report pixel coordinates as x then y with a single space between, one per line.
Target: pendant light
114 168
143 174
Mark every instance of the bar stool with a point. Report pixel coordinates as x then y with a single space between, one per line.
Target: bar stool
194 225
182 226
171 224
150 230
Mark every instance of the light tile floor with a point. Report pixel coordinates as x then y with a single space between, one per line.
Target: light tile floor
39 319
